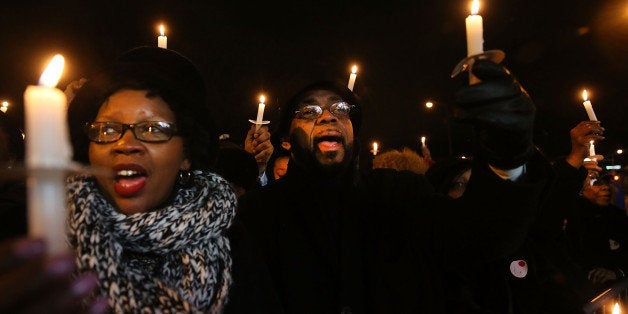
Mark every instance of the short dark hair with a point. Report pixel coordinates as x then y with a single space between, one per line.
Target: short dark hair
164 73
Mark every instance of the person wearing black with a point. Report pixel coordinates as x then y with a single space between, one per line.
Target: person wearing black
598 232
339 240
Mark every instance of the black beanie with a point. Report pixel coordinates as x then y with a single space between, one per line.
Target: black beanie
287 111
161 72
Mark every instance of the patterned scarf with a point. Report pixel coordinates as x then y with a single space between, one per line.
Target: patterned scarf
175 259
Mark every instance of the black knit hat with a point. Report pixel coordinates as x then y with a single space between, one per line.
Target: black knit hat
287 111
164 73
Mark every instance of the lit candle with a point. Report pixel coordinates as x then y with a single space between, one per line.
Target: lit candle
591 148
475 38
374 151
588 107
260 112
5 106
423 141
616 309
162 40
352 77
48 153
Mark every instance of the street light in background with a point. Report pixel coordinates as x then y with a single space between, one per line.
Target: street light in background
5 106
446 120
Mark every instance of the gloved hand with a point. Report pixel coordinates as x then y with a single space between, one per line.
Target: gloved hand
502 115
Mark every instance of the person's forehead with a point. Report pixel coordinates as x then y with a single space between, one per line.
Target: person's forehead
320 95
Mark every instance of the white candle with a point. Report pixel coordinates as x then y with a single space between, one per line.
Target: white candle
374 151
162 40
260 112
588 107
423 141
352 77
475 37
48 153
591 149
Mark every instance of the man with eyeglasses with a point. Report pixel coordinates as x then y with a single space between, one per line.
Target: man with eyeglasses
340 240
598 232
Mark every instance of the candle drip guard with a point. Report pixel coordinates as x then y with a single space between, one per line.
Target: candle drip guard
465 64
261 123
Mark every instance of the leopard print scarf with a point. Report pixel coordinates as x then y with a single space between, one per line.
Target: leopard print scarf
171 260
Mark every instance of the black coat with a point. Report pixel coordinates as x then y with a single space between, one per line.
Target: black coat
379 242
251 291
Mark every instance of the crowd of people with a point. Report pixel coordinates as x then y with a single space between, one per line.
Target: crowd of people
182 222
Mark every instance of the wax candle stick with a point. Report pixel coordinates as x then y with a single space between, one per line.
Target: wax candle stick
475 36
587 106
591 149
260 112
48 153
352 77
162 40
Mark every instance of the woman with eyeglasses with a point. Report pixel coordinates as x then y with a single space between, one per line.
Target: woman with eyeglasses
154 225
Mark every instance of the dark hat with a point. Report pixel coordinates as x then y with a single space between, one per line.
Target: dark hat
287 111
164 73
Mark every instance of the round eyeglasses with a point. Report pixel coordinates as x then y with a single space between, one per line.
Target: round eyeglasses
147 131
310 112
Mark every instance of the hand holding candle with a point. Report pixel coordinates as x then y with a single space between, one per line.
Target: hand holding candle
587 106
48 154
352 77
162 40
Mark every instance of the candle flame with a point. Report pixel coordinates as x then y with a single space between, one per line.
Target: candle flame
375 146
616 309
585 95
262 99
423 139
429 105
161 29
354 69
591 142
52 74
475 7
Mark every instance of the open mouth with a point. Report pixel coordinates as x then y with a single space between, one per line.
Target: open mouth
329 143
129 180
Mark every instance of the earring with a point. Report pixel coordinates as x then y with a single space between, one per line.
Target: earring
185 177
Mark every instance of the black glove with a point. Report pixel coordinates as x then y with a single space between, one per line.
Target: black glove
502 115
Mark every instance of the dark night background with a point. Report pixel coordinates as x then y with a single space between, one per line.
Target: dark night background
405 51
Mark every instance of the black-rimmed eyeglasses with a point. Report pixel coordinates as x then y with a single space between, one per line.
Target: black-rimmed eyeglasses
310 112
147 131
